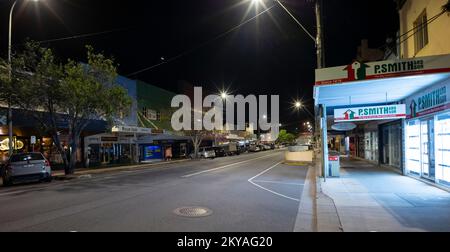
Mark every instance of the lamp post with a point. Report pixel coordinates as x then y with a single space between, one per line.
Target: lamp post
319 41
10 121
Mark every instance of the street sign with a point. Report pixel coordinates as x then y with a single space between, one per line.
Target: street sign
370 113
33 140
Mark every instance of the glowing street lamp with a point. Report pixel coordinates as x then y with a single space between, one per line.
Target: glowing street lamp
298 105
224 95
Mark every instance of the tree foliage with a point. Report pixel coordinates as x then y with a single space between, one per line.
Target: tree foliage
72 92
285 137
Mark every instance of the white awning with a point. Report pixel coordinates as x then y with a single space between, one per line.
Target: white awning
372 92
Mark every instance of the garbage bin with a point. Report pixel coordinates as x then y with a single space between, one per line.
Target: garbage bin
334 164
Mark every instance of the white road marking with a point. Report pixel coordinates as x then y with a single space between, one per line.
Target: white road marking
12 193
265 189
277 182
226 166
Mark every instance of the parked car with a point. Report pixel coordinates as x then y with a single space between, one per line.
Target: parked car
26 167
220 152
267 147
254 148
231 149
242 149
205 152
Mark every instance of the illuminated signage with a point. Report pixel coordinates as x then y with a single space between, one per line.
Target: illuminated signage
370 113
360 71
429 101
17 145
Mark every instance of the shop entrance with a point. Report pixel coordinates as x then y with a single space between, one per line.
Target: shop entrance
421 148
427 148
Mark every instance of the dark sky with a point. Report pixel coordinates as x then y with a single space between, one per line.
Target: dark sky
267 56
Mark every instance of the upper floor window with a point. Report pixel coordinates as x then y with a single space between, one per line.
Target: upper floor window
421 32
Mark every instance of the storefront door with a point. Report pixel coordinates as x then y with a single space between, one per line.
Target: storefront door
427 148
442 149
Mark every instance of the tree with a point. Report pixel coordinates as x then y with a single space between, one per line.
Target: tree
197 137
285 137
5 81
74 92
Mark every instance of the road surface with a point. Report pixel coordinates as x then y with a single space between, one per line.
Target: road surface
251 192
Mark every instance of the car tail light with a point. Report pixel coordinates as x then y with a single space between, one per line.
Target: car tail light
47 163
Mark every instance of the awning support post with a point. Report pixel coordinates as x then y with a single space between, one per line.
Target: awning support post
323 115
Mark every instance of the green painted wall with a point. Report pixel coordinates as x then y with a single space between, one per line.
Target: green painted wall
157 99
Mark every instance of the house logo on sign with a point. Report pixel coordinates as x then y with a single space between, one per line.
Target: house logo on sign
356 71
349 115
413 107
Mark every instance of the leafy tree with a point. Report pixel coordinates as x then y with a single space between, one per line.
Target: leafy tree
74 92
285 137
4 81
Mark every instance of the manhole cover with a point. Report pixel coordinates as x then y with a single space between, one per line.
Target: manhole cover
193 212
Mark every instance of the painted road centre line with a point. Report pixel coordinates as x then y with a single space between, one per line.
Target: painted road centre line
226 166
268 190
277 182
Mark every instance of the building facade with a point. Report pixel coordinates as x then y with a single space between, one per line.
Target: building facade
425 33
427 127
395 113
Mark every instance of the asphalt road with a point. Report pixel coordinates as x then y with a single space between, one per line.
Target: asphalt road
251 192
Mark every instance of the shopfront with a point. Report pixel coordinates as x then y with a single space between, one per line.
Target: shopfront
162 146
401 110
110 149
390 144
427 134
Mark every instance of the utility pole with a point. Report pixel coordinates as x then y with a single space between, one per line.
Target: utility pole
10 122
319 38
321 111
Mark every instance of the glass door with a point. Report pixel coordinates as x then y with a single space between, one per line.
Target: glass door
427 148
413 147
443 149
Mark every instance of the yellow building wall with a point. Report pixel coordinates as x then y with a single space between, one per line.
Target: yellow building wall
438 31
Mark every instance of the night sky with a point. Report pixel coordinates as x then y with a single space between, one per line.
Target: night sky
270 55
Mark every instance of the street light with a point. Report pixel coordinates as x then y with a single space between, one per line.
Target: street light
298 104
224 95
10 125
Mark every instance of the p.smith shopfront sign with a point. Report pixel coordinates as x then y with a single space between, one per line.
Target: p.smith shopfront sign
429 101
387 112
358 71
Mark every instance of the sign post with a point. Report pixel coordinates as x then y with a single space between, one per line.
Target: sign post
33 142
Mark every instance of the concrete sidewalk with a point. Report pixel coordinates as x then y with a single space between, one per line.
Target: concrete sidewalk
368 198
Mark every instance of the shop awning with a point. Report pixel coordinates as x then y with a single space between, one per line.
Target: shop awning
162 137
379 82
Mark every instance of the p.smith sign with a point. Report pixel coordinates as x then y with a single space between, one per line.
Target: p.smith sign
358 71
387 112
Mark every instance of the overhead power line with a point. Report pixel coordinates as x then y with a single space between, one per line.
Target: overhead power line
418 28
86 35
202 44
